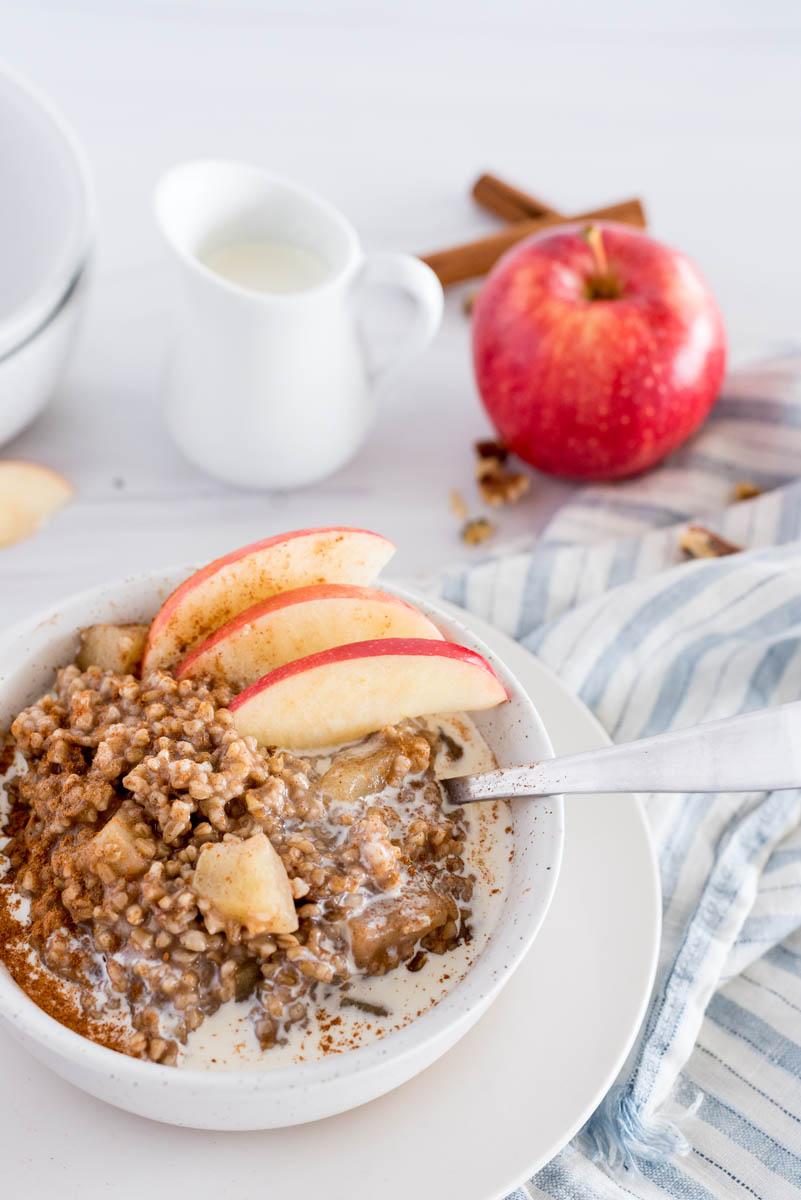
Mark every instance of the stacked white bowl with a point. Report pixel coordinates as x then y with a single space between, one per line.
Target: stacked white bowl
46 221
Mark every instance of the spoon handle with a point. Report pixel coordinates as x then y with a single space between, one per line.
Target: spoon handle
760 751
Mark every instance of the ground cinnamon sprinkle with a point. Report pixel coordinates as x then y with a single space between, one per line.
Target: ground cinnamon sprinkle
7 751
47 991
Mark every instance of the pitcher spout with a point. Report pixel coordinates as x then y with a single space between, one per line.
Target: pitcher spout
209 208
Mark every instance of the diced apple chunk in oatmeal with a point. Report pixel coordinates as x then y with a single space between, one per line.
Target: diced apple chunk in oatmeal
386 932
245 882
113 851
117 648
173 864
352 778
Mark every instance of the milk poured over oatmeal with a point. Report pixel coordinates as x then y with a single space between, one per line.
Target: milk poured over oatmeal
371 1006
126 783
343 1017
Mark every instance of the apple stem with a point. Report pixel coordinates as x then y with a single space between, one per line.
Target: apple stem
603 284
595 240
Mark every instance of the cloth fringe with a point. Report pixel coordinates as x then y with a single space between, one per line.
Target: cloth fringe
617 1134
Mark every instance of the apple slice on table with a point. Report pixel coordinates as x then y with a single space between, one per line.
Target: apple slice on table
217 592
344 693
29 495
298 623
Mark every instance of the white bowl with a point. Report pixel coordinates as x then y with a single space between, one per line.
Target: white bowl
46 212
285 1096
29 375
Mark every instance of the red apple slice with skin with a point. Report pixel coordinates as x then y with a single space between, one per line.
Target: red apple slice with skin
344 693
221 590
299 623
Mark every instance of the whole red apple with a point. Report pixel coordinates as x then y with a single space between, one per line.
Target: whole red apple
597 351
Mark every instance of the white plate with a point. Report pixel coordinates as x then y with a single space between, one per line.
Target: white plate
475 1124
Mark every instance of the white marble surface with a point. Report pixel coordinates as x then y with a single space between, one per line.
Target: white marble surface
390 110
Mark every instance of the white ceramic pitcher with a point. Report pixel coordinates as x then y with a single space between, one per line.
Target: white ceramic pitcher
267 389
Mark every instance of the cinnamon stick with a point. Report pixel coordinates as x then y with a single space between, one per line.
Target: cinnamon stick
458 263
508 202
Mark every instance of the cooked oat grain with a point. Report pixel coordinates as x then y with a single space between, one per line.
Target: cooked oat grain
127 780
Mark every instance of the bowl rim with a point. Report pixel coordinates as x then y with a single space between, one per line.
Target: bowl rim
24 1017
29 318
77 284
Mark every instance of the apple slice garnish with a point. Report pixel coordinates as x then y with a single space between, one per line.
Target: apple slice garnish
299 623
344 693
29 494
221 590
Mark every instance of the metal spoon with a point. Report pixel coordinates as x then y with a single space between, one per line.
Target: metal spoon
760 751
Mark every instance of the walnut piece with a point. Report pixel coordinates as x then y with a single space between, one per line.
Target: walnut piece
492 454
503 488
745 490
698 542
476 531
497 485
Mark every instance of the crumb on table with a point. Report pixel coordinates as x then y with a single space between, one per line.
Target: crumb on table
746 490
480 529
469 300
457 504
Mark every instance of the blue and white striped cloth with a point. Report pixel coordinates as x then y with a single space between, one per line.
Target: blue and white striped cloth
709 1104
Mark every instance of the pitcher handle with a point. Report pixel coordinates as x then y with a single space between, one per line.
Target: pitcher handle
419 281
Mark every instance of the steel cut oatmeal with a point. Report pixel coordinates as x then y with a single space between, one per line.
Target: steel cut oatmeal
172 866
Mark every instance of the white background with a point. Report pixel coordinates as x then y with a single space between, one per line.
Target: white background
390 110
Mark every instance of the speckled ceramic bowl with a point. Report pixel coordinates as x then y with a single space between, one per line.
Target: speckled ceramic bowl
285 1096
